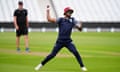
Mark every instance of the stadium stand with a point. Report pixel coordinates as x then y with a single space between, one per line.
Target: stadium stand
36 10
92 13
91 10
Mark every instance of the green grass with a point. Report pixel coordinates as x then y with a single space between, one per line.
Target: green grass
100 52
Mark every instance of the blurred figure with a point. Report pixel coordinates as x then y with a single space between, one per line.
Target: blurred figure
21 24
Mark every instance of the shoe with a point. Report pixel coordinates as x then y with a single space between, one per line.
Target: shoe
27 50
18 50
38 67
84 69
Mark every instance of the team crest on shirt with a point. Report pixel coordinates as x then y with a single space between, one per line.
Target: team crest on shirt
71 20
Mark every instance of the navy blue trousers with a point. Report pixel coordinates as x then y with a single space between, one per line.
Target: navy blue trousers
58 46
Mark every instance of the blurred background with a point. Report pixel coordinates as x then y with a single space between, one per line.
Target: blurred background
96 15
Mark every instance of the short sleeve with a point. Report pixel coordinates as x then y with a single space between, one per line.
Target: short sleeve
74 21
26 12
15 13
58 20
77 23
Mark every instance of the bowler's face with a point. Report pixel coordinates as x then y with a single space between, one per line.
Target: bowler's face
69 13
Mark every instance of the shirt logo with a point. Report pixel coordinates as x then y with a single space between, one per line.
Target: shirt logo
70 20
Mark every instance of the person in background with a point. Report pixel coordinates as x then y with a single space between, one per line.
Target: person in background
21 25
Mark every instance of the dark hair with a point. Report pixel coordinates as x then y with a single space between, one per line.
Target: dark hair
20 3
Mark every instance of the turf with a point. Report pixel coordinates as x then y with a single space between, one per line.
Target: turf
100 52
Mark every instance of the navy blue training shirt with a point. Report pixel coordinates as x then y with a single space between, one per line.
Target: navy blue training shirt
65 28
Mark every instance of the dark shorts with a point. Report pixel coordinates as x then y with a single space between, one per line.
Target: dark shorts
21 32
